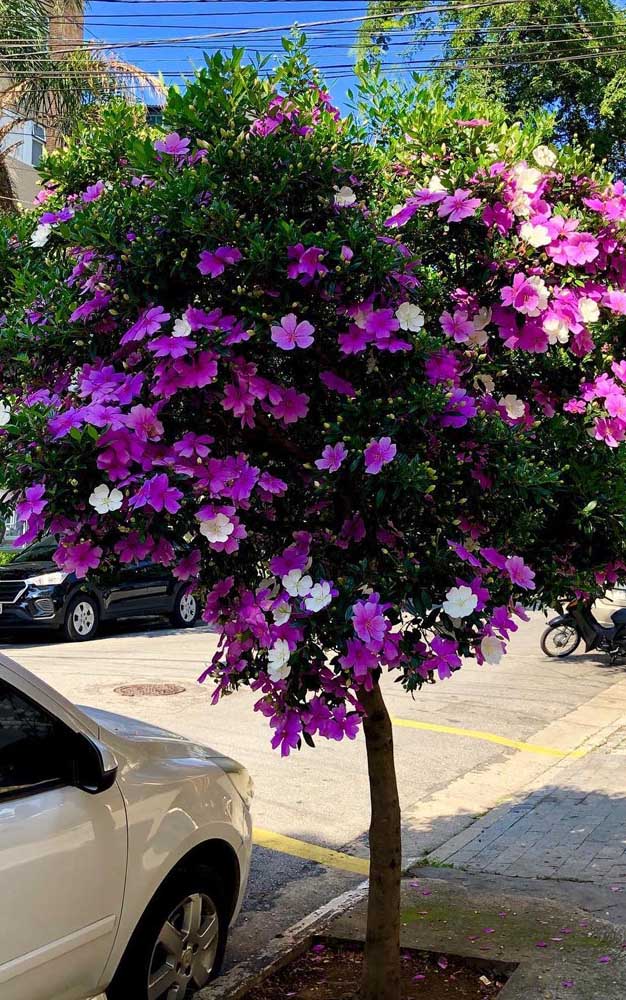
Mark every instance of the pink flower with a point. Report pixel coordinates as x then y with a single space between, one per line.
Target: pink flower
458 206
172 145
337 384
78 558
445 658
132 548
528 295
519 573
457 325
359 659
306 263
145 423
157 494
214 264
292 334
332 457
377 454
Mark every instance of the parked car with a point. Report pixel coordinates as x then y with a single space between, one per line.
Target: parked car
124 851
35 593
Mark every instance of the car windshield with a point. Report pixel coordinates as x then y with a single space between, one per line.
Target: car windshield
38 552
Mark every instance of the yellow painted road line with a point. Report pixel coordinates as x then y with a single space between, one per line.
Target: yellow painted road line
310 852
478 734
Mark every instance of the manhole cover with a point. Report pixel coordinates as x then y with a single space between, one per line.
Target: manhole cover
149 690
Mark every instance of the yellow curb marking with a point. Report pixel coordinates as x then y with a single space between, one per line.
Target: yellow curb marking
310 852
478 734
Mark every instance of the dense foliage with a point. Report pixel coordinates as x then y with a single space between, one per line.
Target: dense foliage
369 372
561 55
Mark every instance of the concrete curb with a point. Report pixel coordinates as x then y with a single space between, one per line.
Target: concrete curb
235 983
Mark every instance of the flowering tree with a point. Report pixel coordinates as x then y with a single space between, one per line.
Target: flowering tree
369 371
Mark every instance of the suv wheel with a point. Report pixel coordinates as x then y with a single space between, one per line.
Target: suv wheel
179 944
185 613
82 619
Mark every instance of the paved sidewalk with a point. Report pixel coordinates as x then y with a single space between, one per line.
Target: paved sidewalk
570 824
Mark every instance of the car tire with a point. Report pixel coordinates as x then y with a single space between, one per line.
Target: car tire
180 940
185 613
82 619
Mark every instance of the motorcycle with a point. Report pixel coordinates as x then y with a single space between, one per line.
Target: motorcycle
565 632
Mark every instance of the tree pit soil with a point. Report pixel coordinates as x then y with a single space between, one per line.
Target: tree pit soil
332 971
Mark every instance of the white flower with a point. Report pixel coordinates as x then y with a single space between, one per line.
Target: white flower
482 318
492 649
278 660
557 330
105 500
40 236
520 205
488 385
345 197
435 184
544 157
5 414
460 602
361 315
296 584
319 597
182 327
217 529
527 178
514 407
410 317
542 294
281 613
589 310
537 236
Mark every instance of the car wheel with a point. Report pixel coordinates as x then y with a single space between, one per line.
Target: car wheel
179 944
185 613
82 619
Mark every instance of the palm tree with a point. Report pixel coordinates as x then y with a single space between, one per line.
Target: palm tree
48 76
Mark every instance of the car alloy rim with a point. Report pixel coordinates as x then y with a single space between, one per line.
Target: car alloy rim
187 607
83 618
185 950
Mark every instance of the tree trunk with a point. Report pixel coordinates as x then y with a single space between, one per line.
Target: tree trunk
381 975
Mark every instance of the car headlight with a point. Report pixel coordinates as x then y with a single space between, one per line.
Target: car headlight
239 778
47 579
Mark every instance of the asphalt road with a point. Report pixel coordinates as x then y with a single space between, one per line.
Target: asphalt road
320 797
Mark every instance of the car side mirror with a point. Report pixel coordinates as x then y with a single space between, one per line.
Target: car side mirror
95 765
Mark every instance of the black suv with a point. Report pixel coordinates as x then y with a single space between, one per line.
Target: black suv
35 593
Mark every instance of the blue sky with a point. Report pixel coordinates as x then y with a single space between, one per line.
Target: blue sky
120 21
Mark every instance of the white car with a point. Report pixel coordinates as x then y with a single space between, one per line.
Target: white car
124 851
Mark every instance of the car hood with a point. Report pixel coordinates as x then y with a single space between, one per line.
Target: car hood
138 731
23 570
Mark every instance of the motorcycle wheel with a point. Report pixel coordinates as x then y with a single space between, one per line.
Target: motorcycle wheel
560 640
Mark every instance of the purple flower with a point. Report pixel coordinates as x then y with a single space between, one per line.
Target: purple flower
172 145
150 320
145 423
90 306
519 573
404 214
306 263
189 566
459 410
292 334
368 621
377 454
78 558
337 384
215 263
445 658
131 548
34 502
288 728
291 406
458 206
332 457
93 192
359 659
381 323
158 494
